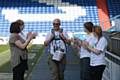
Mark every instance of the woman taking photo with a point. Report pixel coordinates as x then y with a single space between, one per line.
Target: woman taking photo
18 49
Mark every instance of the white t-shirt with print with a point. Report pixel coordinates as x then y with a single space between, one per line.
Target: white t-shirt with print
91 39
96 60
59 43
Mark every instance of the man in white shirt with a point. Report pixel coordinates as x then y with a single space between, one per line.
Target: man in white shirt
57 39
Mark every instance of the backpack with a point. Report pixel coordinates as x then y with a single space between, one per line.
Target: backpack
56 38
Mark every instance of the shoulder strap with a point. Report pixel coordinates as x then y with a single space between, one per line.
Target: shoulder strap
52 31
61 30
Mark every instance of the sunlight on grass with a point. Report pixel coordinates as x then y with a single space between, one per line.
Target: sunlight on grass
4 48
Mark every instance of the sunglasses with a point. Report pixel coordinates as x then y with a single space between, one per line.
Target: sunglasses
56 23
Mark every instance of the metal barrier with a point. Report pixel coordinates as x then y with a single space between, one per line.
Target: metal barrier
113 42
112 71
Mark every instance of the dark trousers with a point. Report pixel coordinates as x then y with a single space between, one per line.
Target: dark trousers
57 68
19 70
18 73
85 68
97 72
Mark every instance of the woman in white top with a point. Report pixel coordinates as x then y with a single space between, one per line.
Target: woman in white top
84 52
97 56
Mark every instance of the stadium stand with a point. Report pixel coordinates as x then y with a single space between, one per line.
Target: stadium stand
40 7
38 16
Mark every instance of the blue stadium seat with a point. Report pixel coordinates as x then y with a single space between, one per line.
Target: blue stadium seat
113 7
34 7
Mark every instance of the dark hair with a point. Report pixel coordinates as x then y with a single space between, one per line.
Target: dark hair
14 27
88 26
21 22
98 31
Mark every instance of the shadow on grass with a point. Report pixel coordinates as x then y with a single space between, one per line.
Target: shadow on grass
6 68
